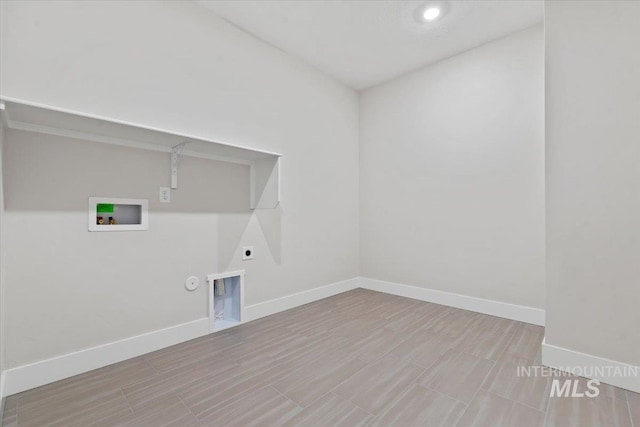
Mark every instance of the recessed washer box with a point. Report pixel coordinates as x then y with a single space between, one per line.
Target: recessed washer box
115 214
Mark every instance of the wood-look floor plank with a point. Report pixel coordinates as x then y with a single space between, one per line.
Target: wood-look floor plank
525 416
527 343
488 339
205 396
634 407
102 380
77 412
420 406
357 358
603 410
373 345
331 411
310 353
146 392
486 410
10 414
379 383
415 318
308 384
262 407
458 375
530 390
454 322
192 352
423 348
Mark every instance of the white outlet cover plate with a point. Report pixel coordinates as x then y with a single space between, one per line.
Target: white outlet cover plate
165 195
192 283
246 249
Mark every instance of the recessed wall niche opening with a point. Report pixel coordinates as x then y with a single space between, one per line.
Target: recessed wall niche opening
226 300
115 214
118 214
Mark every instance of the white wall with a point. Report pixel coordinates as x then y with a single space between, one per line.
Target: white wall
593 178
176 66
452 174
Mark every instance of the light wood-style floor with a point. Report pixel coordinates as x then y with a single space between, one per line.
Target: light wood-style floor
358 358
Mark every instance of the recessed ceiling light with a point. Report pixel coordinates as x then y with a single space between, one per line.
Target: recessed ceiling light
431 13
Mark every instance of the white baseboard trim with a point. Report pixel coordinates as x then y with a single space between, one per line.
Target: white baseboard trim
256 311
494 308
592 367
47 371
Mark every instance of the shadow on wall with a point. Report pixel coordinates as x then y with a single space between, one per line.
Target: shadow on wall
271 224
230 227
47 173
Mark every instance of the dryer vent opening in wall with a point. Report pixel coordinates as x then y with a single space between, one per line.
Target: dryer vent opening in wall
226 299
113 214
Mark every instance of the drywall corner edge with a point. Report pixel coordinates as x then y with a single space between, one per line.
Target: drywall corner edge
535 316
592 367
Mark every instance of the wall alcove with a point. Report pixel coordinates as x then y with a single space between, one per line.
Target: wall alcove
264 165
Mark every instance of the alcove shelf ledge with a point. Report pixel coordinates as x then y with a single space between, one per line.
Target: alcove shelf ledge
264 166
